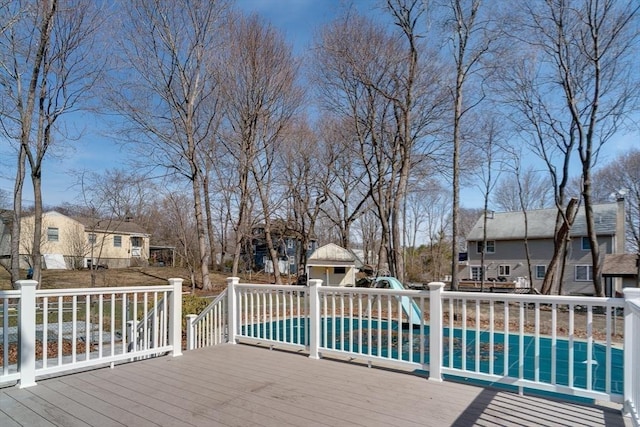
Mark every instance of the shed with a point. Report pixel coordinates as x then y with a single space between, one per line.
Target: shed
624 266
333 264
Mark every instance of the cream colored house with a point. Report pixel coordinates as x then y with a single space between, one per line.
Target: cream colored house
333 264
82 242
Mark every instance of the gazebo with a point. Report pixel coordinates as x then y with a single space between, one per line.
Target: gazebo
333 264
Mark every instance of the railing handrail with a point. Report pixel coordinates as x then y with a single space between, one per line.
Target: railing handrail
271 287
372 291
101 291
634 305
222 295
558 299
609 302
13 293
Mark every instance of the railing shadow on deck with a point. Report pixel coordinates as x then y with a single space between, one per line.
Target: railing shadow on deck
496 407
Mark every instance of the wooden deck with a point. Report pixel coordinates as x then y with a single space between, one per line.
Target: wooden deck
240 385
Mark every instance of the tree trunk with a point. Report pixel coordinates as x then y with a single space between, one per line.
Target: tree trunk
243 222
273 253
565 222
210 229
17 216
455 215
36 255
202 243
591 231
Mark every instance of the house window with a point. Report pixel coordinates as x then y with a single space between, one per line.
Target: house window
117 241
491 247
476 273
92 239
136 242
541 271
339 270
290 244
504 270
586 244
52 234
584 273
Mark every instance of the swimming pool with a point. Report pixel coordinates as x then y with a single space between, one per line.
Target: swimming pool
386 340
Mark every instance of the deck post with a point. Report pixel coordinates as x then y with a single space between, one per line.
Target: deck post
232 308
175 317
190 332
27 332
435 331
314 318
631 347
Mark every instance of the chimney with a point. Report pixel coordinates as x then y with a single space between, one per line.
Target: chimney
620 225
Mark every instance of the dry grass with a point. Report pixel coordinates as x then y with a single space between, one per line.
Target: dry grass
135 276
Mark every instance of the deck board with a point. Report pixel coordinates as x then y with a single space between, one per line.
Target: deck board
241 385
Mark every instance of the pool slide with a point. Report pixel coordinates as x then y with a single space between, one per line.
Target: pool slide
409 306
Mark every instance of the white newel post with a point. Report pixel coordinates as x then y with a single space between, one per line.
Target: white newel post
175 321
435 331
232 308
190 332
314 318
27 332
631 350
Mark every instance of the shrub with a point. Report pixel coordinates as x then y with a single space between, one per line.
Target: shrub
192 304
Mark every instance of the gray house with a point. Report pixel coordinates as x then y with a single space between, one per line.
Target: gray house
505 256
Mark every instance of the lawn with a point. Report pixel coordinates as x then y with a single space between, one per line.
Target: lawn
135 276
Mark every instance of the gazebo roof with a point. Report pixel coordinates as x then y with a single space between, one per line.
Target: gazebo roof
331 254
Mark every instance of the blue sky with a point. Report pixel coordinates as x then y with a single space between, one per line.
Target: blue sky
297 19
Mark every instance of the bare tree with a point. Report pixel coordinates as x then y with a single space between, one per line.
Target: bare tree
471 37
621 177
4 199
582 86
225 179
438 208
377 80
260 97
178 222
169 92
490 148
117 193
527 191
307 164
347 196
422 222
368 227
50 64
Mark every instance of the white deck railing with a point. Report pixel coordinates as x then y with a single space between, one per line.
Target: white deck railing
58 330
567 345
209 327
632 354
274 315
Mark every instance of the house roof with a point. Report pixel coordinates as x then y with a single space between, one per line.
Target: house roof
331 253
620 265
110 225
541 222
